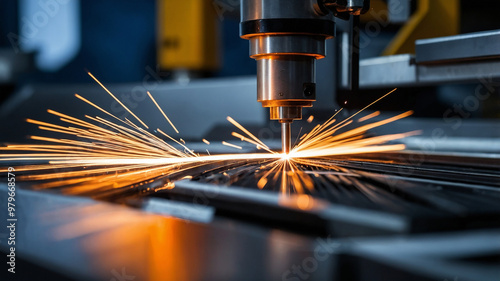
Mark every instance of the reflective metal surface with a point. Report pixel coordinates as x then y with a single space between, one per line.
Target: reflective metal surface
83 239
286 37
387 71
286 136
464 72
353 7
282 78
464 47
285 113
401 70
287 44
463 58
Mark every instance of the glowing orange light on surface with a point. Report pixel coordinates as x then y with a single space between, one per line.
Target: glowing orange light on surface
120 154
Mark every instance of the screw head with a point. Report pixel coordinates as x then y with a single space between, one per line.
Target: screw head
309 89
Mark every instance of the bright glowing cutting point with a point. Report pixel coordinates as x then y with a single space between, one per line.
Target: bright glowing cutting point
285 156
110 155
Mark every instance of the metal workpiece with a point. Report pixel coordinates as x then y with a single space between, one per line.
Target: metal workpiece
286 136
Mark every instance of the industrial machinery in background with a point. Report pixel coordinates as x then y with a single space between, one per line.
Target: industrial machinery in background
192 48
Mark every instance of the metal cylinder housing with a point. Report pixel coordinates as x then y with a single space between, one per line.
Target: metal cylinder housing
286 37
286 81
304 45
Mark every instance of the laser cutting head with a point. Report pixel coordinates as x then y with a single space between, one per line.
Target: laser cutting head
286 38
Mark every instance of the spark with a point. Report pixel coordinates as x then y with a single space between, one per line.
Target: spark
257 144
109 155
231 145
113 96
310 119
369 116
325 141
162 112
261 144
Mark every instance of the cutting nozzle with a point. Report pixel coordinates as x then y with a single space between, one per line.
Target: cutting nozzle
286 137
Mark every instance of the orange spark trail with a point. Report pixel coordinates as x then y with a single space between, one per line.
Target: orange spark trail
231 145
113 96
246 132
109 155
369 116
161 110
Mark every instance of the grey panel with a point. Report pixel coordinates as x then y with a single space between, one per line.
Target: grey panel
389 70
460 47
400 70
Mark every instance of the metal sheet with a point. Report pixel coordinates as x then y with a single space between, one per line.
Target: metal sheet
469 255
130 244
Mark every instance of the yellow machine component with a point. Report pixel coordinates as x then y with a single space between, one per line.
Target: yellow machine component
187 35
433 18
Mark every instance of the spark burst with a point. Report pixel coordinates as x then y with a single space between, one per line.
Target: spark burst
112 154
